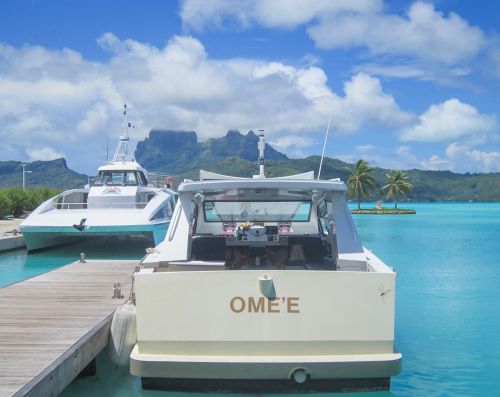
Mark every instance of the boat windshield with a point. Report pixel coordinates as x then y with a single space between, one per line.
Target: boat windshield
257 211
115 178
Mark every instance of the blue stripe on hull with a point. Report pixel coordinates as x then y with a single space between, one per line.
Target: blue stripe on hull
39 237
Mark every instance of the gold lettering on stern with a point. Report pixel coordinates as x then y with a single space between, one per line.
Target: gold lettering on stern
256 307
293 305
273 305
237 307
290 305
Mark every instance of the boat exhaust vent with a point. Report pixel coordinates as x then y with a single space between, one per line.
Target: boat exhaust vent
299 376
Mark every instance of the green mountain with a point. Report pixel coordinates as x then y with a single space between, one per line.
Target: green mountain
174 152
235 154
180 153
54 173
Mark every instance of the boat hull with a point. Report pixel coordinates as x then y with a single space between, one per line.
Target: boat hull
266 386
324 373
228 328
42 237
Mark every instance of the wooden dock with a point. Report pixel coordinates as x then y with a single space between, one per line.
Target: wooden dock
52 326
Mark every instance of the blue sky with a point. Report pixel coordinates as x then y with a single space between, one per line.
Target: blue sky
406 84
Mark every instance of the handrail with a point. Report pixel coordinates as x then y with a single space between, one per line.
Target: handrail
67 206
158 179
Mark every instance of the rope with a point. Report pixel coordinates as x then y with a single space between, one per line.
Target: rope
132 288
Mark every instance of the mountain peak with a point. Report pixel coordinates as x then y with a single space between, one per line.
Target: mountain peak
177 151
233 134
59 163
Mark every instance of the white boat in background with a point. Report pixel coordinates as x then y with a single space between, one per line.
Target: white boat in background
124 200
264 283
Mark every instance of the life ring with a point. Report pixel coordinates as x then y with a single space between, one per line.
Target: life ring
168 181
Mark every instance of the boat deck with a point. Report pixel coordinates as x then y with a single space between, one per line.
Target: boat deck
53 325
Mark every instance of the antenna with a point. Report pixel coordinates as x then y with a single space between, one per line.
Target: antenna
107 148
324 146
262 146
126 119
126 125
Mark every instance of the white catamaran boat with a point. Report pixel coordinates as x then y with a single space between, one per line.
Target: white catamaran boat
124 200
264 282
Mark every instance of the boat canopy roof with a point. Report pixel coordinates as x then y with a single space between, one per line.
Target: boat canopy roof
122 166
302 185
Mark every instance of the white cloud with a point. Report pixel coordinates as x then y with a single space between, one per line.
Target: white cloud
450 120
365 148
423 33
285 142
398 159
199 14
456 157
365 97
463 158
436 163
293 145
393 71
467 159
57 97
43 153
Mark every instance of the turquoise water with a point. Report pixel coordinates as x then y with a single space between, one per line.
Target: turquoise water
18 265
447 257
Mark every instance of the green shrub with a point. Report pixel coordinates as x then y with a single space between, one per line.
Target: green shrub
18 198
5 205
15 201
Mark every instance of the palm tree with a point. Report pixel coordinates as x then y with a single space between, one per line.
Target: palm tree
397 184
360 180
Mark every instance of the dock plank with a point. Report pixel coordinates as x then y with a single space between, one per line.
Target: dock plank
54 324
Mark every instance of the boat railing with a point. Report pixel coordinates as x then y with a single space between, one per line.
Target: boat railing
84 205
161 180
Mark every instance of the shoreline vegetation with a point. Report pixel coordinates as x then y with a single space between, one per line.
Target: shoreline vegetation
15 201
383 211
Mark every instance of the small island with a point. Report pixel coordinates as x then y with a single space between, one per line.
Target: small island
360 182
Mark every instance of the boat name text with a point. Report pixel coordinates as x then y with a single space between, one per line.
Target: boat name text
250 304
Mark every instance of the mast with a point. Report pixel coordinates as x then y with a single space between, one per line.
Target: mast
126 125
121 151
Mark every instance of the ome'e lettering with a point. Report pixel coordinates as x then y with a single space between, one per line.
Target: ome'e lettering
286 304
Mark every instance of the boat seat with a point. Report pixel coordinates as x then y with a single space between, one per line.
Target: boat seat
313 247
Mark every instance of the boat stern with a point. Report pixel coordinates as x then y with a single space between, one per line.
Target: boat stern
317 329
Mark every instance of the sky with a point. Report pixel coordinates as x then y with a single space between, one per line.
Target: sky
402 84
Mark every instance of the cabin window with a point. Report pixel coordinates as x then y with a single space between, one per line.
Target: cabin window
170 206
160 214
257 211
141 178
116 178
130 178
